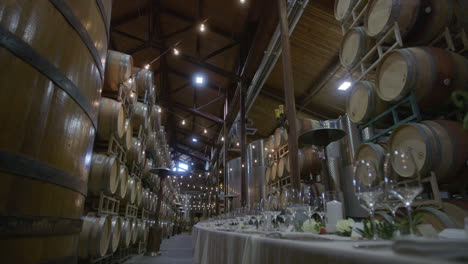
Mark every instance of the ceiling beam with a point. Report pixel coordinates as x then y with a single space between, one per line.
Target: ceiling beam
210 102
189 78
268 92
210 67
221 50
207 116
133 50
199 138
184 149
130 36
177 32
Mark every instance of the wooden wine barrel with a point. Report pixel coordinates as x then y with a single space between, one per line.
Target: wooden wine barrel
152 94
155 118
125 233
309 162
134 232
140 116
363 104
139 193
371 152
281 171
354 46
457 210
134 153
95 237
149 164
270 144
268 178
274 171
111 119
143 230
104 175
50 90
126 139
420 21
281 137
152 143
145 198
116 229
343 8
435 217
431 73
123 181
118 70
440 146
144 81
131 191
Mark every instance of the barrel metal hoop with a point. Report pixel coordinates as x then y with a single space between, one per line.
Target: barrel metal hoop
104 16
26 53
62 260
24 166
27 226
75 22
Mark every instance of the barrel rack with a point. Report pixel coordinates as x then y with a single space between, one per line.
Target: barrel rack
456 42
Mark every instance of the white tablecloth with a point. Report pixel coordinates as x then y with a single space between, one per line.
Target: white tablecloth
219 247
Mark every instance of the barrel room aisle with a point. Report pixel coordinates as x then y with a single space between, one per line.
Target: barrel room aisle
233 131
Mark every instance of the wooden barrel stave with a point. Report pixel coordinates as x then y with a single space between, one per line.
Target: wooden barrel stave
363 104
103 175
131 191
143 80
125 234
95 236
111 119
123 181
413 69
343 8
354 46
140 116
118 70
274 171
281 171
116 229
134 154
281 137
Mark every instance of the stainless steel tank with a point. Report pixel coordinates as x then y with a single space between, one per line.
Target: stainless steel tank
234 181
256 165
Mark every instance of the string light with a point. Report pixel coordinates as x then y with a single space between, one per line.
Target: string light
242 1
202 27
183 122
159 110
205 131
237 144
147 66
176 52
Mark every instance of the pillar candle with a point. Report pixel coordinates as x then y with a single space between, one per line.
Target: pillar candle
333 215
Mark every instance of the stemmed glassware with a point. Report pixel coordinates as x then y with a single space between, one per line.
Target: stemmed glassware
402 179
309 202
368 187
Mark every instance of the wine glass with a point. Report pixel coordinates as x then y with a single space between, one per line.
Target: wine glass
368 187
392 203
320 206
402 179
309 202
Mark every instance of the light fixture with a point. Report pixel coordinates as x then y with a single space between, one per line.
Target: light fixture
220 171
159 110
205 131
194 140
202 27
192 164
344 86
237 144
253 146
147 66
222 138
199 79
176 52
242 1
183 122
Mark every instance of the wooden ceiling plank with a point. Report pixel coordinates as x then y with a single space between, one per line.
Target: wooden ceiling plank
219 51
207 116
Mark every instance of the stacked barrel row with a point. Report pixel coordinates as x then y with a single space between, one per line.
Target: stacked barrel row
433 75
50 91
278 159
126 149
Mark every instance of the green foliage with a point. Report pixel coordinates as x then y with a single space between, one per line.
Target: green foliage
386 230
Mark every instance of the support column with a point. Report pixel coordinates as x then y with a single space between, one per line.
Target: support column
244 187
288 84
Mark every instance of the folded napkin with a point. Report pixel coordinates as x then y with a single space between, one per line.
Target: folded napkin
453 249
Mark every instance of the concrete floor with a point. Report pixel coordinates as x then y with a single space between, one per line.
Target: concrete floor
176 250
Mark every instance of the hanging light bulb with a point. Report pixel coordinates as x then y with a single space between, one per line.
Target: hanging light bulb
183 122
205 131
159 110
202 27
147 66
237 144
222 138
176 52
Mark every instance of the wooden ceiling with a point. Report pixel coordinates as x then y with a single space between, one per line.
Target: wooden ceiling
236 36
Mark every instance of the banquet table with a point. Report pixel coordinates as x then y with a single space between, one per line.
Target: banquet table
213 246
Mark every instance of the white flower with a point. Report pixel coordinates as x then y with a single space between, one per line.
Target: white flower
344 226
310 226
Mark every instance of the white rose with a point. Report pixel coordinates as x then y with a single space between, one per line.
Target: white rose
344 226
310 226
